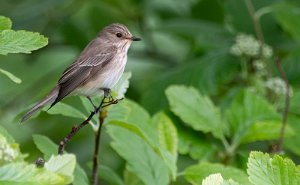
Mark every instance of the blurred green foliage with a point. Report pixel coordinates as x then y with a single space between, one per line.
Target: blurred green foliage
204 90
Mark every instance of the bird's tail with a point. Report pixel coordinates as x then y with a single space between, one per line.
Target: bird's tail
50 98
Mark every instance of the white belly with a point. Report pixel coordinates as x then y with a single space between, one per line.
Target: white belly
106 78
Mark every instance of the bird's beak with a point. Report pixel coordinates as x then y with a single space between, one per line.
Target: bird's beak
133 38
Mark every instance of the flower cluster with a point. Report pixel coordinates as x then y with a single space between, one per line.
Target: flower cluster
247 45
7 152
277 85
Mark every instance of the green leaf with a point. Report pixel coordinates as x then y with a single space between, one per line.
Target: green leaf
5 23
121 87
262 169
45 145
65 110
167 132
22 173
20 41
48 148
143 162
198 148
63 165
245 110
109 175
168 140
213 179
196 173
11 76
131 179
288 19
265 130
80 177
194 109
7 136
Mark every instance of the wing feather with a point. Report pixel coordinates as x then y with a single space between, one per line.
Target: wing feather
81 70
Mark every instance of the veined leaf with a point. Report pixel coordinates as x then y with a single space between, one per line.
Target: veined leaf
5 23
20 41
11 76
262 169
195 110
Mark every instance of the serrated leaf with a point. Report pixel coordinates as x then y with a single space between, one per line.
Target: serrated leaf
194 109
63 165
11 76
245 110
144 162
22 173
196 173
262 169
5 23
65 110
121 87
20 41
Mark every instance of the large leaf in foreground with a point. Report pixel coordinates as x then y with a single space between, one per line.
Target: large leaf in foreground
22 173
20 41
262 169
140 157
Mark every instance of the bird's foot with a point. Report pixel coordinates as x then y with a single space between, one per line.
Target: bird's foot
107 94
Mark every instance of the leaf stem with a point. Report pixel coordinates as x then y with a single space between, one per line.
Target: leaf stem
285 112
102 116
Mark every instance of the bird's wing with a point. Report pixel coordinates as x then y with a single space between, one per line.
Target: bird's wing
82 69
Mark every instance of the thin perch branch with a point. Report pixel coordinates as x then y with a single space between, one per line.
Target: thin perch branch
286 107
102 116
76 128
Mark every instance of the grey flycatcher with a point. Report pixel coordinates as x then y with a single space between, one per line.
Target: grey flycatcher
98 68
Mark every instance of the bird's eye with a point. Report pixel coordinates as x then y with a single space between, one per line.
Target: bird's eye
119 35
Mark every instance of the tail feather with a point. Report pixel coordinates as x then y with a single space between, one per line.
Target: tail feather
49 99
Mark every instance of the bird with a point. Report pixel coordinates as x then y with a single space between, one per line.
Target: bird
98 68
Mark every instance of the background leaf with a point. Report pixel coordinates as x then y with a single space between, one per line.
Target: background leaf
20 41
11 76
194 109
5 23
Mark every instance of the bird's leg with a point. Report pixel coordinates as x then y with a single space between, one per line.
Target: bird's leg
89 98
107 94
